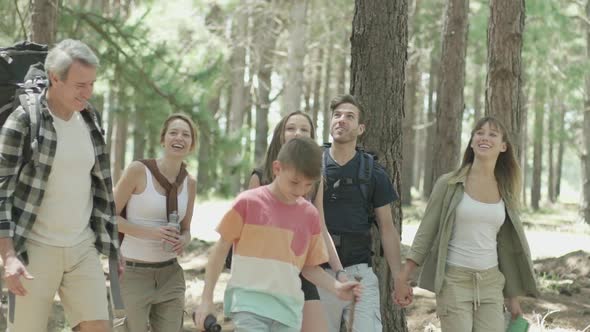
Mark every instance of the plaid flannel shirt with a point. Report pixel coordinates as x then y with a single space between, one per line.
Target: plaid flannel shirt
23 182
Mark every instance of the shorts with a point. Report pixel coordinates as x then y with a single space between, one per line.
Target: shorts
310 291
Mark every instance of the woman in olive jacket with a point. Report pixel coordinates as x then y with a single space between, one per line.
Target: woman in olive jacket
471 243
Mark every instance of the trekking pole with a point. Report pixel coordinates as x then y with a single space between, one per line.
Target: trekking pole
352 309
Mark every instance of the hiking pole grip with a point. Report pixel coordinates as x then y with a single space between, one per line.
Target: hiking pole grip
353 308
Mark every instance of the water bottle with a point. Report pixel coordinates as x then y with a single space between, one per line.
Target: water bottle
174 222
518 325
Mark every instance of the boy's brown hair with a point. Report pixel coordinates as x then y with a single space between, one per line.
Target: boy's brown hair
304 155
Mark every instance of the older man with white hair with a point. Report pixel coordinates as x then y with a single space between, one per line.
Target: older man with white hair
56 207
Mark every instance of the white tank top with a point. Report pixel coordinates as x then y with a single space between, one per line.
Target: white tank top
149 209
473 241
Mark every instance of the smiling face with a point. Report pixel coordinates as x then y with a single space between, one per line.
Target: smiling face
345 126
178 138
297 126
488 141
73 92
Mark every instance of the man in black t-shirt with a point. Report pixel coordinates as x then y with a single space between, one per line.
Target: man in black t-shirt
349 213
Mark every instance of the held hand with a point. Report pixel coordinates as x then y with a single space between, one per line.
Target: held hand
178 248
513 305
13 270
205 308
349 290
168 234
402 293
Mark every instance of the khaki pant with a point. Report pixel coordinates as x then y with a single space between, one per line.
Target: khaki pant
75 273
154 297
471 301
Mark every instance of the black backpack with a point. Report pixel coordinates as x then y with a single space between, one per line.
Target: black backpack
22 78
16 74
363 178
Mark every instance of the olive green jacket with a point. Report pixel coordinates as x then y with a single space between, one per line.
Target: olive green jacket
430 246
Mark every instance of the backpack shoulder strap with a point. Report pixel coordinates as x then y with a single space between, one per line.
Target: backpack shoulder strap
365 174
31 104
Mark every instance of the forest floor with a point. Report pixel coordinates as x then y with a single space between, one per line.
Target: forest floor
559 241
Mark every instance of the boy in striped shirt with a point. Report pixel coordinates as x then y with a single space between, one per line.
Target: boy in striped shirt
276 234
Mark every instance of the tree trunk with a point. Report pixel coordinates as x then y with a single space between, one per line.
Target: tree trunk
550 157
317 86
560 151
524 141
238 94
327 91
139 132
44 16
503 83
206 162
408 131
295 57
449 102
538 146
411 87
586 130
431 126
120 144
477 91
265 39
420 137
379 47
109 110
343 52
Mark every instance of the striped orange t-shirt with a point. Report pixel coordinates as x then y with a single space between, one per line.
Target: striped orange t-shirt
272 242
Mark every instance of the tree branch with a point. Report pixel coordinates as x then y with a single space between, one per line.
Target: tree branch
129 60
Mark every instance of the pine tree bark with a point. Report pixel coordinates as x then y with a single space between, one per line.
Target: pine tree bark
109 109
317 86
342 64
295 57
265 36
379 47
409 120
44 16
238 93
586 130
550 154
431 127
139 132
121 127
327 91
408 132
477 92
450 102
524 141
538 146
503 83
560 150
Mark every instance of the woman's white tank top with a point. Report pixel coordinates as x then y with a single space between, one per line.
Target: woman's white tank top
149 209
